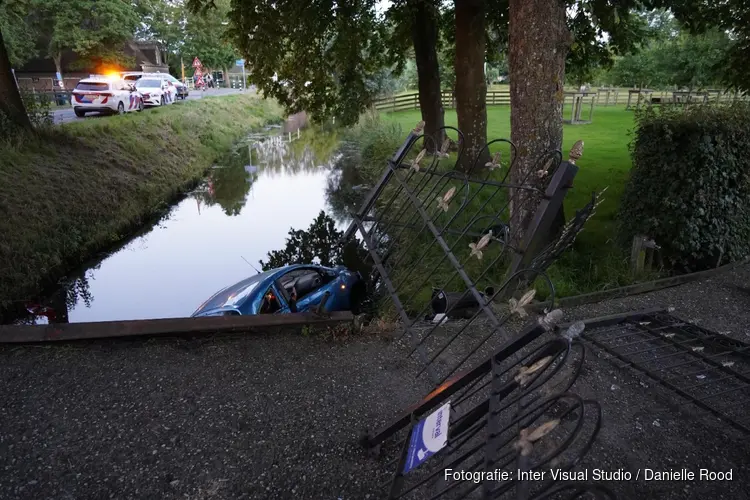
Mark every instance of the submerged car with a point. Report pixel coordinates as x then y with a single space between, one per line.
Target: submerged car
295 288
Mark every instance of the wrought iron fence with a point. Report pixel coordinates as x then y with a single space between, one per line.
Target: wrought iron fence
444 244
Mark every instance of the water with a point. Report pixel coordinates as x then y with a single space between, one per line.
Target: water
209 240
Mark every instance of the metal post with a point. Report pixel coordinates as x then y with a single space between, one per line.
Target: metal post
244 79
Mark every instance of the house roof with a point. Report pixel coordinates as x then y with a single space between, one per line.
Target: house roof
143 54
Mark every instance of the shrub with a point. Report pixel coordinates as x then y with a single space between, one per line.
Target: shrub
690 185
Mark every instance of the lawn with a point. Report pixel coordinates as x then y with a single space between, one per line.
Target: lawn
596 262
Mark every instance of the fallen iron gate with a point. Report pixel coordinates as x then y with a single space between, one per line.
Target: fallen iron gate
702 367
429 251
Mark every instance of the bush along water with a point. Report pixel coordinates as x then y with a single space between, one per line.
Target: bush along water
689 189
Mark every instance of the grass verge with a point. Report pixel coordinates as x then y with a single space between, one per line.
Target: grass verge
74 190
596 262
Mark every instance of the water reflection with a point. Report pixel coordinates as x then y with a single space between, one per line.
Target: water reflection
245 208
346 187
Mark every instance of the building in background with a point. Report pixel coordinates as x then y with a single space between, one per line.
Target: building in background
40 73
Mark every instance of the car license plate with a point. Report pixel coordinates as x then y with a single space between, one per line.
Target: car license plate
91 96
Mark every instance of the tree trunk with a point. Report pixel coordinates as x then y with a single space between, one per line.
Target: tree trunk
58 65
539 43
425 38
11 104
471 88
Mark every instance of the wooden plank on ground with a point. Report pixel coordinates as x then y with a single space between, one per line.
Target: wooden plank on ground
166 326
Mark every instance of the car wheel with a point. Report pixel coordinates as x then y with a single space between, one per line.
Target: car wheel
79 113
121 109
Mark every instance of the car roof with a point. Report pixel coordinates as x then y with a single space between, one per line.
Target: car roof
97 80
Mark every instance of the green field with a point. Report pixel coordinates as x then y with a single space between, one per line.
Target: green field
595 262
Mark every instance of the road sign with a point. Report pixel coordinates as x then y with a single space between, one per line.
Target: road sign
197 63
428 436
240 62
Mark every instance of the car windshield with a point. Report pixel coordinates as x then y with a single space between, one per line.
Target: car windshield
148 84
92 86
234 295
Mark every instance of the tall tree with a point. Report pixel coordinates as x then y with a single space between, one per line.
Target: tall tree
315 56
728 16
206 36
11 104
537 68
20 36
95 29
416 23
471 85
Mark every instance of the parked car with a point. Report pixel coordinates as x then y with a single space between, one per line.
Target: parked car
273 292
105 95
181 90
155 91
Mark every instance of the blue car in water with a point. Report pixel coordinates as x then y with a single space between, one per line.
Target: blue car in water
295 288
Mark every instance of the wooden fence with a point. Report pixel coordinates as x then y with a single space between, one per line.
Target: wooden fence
603 97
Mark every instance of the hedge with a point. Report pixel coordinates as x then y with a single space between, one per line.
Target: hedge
690 185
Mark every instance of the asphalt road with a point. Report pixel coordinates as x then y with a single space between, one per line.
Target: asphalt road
66 114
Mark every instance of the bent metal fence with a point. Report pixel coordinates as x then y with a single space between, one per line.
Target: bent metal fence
443 246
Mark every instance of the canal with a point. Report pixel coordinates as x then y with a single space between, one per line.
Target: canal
272 181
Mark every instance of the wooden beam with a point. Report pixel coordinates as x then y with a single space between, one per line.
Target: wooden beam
166 326
636 289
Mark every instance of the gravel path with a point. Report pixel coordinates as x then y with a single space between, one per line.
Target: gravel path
279 415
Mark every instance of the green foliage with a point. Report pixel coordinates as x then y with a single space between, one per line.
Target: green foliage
729 16
310 56
19 35
690 185
206 36
93 29
38 108
674 59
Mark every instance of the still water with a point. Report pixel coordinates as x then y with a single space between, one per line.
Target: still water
212 238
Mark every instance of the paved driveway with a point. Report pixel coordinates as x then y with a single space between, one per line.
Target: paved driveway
66 114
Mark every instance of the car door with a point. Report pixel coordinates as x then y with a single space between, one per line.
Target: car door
312 287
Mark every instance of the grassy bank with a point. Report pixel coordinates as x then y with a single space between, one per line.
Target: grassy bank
76 189
595 262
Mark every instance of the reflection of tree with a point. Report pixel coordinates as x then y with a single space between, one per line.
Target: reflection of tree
277 155
320 243
56 306
231 185
346 189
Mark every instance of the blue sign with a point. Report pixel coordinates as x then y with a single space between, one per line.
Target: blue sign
240 62
428 436
58 75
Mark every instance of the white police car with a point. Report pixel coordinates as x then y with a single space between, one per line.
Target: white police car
156 91
105 95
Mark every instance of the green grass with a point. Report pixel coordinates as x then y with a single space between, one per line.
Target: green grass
73 190
595 262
